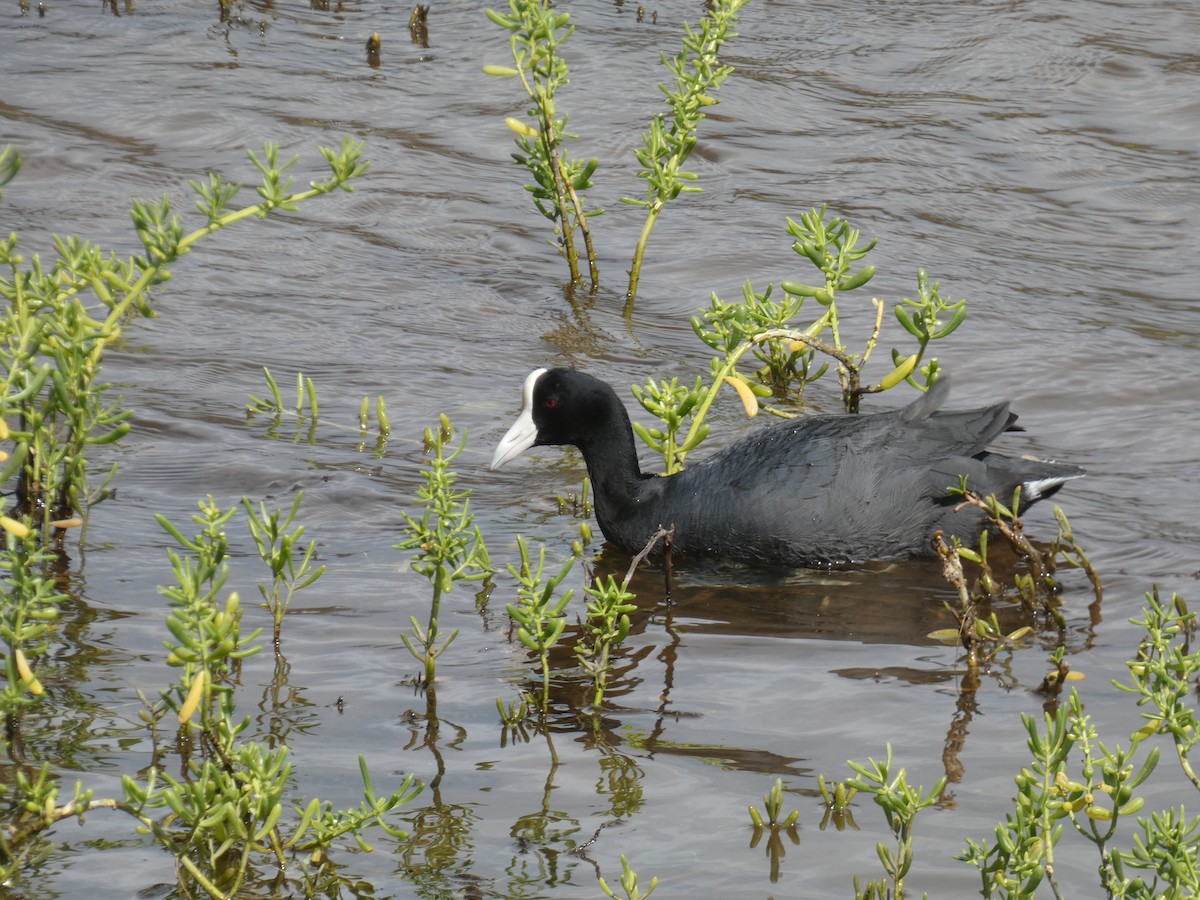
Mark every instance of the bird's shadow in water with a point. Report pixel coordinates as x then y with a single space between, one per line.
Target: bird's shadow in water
892 602
897 602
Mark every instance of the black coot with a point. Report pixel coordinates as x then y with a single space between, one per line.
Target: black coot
810 491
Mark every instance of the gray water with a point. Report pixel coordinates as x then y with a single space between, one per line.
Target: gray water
1038 158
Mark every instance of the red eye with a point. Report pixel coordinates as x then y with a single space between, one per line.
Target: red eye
550 402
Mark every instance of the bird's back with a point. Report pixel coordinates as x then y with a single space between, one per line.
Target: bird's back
831 489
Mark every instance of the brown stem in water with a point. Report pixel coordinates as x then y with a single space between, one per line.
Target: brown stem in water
663 534
966 614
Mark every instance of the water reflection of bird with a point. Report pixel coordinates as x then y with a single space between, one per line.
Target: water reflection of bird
822 489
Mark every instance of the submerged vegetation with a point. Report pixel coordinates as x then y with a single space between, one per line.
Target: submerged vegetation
448 545
224 817
537 32
220 792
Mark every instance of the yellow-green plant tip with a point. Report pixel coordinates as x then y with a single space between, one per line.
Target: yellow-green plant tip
1147 730
12 526
26 673
799 289
520 127
858 279
385 426
194 696
1133 806
945 635
897 375
749 401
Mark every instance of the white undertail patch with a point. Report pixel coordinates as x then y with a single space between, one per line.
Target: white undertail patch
1032 490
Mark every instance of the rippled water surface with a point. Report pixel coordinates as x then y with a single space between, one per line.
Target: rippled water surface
1039 158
